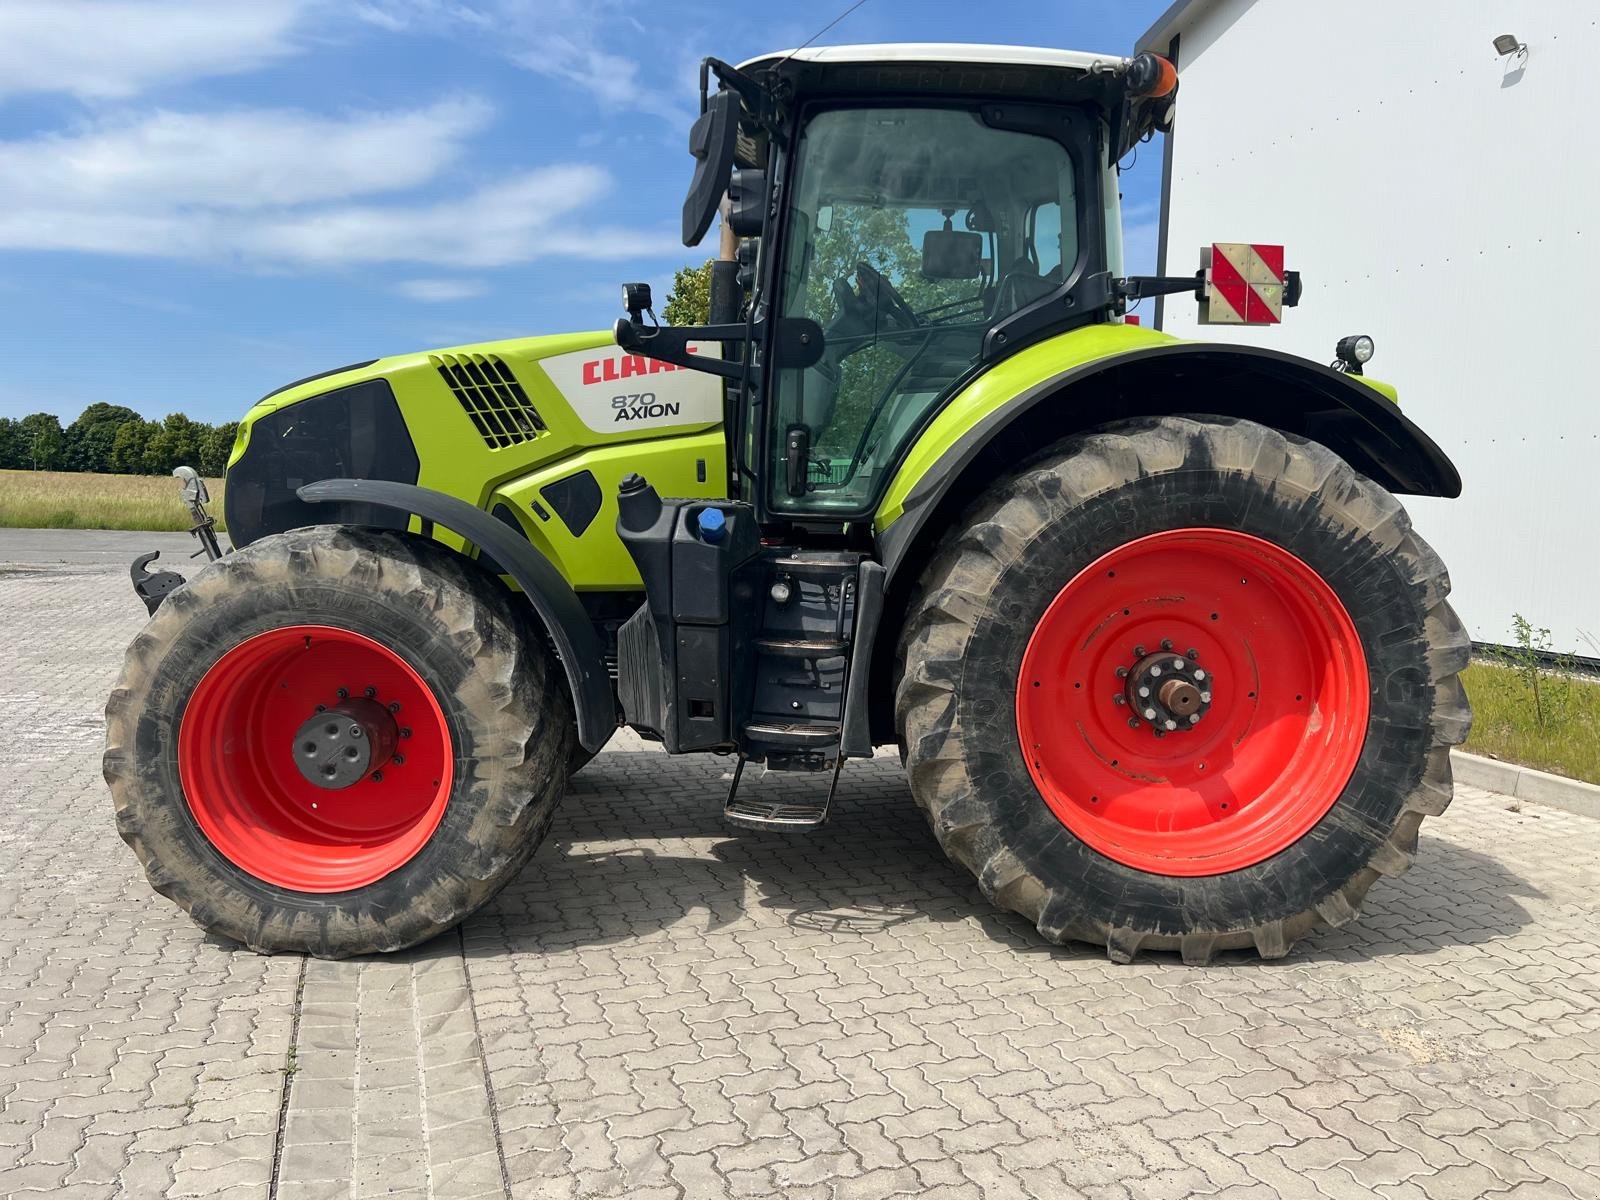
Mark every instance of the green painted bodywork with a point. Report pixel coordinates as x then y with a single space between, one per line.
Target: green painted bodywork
679 461
1012 377
455 459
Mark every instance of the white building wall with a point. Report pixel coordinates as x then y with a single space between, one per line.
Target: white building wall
1446 201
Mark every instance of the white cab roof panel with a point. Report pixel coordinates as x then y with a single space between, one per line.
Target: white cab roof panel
954 52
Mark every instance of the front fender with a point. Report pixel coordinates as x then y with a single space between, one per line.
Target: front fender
551 596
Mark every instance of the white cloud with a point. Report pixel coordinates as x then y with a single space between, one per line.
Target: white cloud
520 219
597 46
440 291
529 216
241 159
113 48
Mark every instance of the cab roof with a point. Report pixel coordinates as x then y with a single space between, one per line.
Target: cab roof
1034 73
938 52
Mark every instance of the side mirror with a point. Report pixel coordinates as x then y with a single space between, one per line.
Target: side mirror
712 140
951 254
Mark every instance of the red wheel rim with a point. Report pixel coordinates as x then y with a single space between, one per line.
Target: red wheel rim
236 761
1282 726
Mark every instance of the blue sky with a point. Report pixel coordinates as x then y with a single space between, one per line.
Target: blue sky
202 199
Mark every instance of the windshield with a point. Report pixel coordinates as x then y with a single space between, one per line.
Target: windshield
913 231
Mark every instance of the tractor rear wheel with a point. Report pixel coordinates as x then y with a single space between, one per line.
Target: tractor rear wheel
1185 684
336 741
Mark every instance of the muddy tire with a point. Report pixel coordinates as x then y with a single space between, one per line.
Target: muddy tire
467 737
1325 722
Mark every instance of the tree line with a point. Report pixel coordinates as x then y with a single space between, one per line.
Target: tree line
111 438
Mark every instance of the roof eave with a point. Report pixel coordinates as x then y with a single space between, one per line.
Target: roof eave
1159 36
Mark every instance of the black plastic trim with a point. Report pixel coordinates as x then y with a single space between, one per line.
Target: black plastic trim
575 499
351 432
856 739
564 616
1405 460
355 366
500 512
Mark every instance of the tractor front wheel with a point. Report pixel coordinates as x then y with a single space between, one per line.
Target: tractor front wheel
336 741
1185 684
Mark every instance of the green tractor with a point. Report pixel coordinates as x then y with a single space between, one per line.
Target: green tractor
1166 664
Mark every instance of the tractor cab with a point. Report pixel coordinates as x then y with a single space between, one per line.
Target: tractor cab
897 219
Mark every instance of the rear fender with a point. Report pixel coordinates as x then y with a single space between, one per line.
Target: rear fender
1352 418
552 597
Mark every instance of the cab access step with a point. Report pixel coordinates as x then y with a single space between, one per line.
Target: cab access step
746 648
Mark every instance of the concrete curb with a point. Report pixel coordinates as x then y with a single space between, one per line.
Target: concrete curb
1524 783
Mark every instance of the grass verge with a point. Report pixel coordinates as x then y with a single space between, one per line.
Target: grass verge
1505 725
79 500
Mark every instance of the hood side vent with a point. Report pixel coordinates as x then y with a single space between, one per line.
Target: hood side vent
492 397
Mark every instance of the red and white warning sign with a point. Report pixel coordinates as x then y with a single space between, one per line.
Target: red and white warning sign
1244 284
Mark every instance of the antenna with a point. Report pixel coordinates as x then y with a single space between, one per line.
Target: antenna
820 32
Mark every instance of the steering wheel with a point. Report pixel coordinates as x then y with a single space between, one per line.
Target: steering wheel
875 298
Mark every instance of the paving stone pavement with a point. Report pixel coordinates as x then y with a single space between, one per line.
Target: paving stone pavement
662 1006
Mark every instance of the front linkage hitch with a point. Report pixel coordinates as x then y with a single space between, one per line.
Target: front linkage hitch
153 586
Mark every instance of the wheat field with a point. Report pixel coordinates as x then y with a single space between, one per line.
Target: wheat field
77 500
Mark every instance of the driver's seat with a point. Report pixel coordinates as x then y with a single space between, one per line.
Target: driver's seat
1020 286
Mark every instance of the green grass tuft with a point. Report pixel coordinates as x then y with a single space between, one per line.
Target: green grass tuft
1504 725
79 500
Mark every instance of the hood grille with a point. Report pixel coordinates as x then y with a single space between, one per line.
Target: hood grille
492 397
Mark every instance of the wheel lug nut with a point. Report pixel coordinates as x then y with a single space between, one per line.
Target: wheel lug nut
1194 719
1177 664
1154 671
1172 724
1199 674
1149 714
1205 697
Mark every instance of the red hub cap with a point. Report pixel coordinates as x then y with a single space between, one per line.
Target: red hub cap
1193 702
315 759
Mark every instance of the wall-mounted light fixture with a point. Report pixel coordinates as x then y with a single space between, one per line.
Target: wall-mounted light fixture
1507 43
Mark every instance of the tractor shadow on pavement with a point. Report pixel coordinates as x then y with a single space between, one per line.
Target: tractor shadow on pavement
639 844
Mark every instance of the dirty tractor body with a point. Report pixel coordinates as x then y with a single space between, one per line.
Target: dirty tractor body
1166 664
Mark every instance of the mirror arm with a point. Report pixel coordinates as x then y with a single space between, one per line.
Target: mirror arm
760 105
670 344
796 342
1137 287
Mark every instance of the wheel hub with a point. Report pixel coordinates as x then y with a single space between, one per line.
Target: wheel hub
1166 691
337 747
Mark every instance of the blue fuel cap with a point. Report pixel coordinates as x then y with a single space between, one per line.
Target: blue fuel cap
713 525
